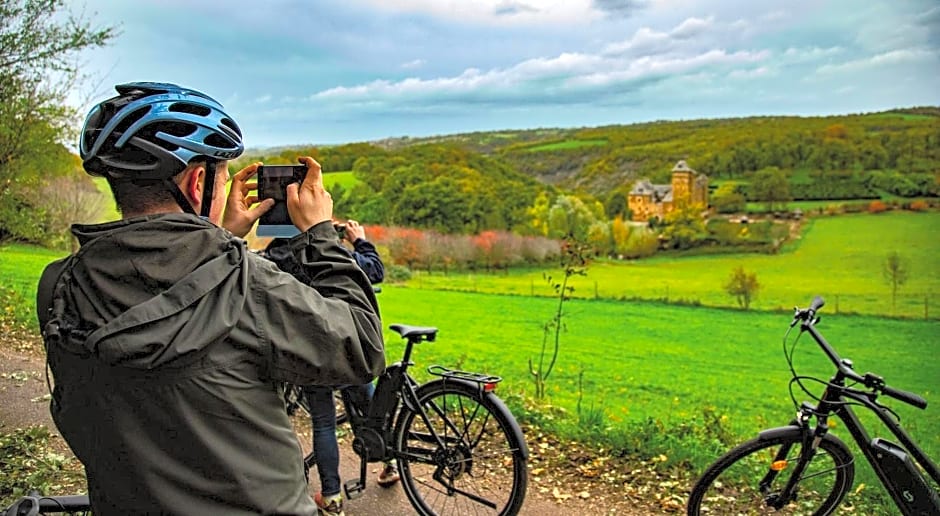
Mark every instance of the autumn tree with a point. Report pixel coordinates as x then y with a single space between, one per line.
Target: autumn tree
743 285
684 226
895 271
39 43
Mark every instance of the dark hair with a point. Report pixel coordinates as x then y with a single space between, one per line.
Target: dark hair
132 197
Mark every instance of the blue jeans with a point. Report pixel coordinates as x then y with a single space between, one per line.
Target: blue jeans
323 418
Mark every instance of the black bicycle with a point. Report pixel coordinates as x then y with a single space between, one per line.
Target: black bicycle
459 449
802 468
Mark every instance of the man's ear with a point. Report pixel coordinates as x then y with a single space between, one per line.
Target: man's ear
194 183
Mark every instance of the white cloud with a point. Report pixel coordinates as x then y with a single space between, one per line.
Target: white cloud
753 73
496 12
646 41
692 27
537 80
410 65
894 57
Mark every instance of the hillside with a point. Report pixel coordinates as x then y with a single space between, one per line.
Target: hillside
602 160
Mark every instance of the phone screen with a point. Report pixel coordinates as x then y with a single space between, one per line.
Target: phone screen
272 184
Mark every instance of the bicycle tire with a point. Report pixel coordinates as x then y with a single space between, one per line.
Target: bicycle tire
483 445
731 484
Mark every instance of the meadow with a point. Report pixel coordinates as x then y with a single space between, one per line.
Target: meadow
840 258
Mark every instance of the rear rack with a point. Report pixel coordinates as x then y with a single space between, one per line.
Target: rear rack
439 370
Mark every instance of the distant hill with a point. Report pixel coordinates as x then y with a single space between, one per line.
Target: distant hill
596 160
895 152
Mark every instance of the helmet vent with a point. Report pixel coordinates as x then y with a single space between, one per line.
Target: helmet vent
228 123
186 107
217 141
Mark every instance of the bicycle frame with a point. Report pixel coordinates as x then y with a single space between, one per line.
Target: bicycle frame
396 390
903 481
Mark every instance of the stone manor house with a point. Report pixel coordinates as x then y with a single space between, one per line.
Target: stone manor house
647 200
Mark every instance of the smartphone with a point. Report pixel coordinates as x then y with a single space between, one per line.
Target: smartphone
272 184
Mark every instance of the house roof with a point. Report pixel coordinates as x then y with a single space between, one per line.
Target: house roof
682 166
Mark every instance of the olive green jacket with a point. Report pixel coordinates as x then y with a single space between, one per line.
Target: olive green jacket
168 342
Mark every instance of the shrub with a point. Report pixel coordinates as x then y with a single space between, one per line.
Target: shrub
397 274
876 207
918 205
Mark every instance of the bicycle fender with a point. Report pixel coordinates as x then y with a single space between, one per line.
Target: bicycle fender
515 430
773 433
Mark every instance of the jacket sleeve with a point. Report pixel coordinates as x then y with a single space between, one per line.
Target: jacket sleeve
328 332
368 259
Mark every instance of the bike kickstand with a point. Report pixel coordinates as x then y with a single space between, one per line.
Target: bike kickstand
354 487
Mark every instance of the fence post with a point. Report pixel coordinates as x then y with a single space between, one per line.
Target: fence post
596 296
837 303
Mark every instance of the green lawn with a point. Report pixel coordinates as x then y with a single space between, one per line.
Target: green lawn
838 257
346 179
566 145
643 359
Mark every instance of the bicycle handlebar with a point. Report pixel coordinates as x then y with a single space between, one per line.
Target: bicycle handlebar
907 397
808 318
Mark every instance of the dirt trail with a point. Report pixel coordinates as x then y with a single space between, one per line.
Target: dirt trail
24 401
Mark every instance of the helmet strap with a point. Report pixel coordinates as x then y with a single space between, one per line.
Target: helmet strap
177 194
208 187
207 191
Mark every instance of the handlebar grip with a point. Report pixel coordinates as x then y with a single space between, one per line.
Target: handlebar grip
907 397
818 302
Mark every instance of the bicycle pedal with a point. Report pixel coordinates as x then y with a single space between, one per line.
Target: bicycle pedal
353 488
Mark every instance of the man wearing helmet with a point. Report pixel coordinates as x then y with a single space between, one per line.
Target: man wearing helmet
167 339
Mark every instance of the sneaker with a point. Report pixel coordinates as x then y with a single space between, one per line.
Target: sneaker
330 505
389 475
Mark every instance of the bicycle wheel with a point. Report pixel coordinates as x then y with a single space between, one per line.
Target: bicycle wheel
464 454
749 478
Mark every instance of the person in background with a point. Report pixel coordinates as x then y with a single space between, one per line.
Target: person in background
167 339
320 398
363 251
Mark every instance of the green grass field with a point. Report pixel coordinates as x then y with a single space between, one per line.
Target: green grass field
643 359
566 145
838 257
346 179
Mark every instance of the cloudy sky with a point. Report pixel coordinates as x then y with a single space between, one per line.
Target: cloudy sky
333 71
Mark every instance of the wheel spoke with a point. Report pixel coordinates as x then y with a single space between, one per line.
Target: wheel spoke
458 458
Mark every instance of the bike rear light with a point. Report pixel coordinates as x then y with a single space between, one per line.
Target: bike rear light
489 387
778 465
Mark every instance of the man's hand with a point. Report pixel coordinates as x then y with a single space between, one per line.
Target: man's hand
308 204
354 231
239 213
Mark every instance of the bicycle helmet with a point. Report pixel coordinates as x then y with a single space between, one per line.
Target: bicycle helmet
151 131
